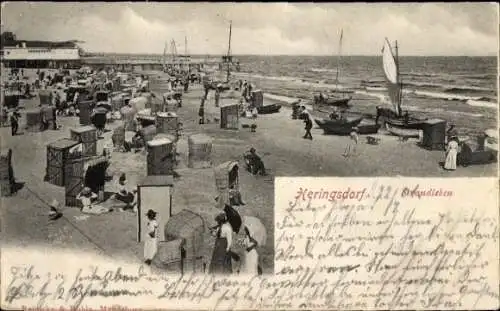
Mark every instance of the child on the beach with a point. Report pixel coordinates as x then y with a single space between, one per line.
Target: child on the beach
86 196
352 144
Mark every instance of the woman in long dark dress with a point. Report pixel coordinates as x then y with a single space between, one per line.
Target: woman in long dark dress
221 258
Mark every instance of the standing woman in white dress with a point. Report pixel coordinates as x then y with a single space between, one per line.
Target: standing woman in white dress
251 263
451 155
151 242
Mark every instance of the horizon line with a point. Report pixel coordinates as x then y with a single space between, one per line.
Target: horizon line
295 55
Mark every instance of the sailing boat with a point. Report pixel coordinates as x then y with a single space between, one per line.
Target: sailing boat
394 119
224 85
165 58
330 100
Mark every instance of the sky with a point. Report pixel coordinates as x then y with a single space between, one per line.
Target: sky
446 29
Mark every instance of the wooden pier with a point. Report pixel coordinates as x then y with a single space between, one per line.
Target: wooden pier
153 62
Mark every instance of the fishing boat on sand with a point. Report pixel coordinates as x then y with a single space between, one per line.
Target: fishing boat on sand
394 117
257 101
333 99
338 127
402 132
268 109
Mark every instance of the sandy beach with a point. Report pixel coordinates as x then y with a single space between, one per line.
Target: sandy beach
278 140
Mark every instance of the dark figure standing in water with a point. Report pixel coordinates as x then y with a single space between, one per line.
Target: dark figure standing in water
407 117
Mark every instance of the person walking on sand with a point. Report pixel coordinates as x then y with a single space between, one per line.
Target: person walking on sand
217 95
450 163
14 122
151 242
352 144
308 123
201 112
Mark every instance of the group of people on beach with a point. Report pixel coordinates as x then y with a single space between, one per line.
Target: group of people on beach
229 223
299 111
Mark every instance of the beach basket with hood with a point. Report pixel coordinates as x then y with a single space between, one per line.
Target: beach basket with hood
99 117
148 132
168 123
199 151
190 227
226 177
472 152
117 102
101 96
161 157
128 115
149 100
45 97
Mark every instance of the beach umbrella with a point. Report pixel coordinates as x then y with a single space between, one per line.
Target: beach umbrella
233 217
256 229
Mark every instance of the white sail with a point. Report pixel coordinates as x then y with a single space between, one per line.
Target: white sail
390 66
391 74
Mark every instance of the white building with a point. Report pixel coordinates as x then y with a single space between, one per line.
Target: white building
41 54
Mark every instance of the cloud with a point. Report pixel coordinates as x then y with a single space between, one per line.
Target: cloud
262 28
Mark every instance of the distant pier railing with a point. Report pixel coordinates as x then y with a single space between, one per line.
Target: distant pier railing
154 62
145 60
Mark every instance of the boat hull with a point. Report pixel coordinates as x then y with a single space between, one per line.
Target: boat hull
402 132
337 127
402 124
334 102
367 129
268 109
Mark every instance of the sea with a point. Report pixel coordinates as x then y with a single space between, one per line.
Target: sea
460 90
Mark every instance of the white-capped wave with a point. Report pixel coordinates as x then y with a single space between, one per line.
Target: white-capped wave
384 100
442 95
323 70
376 89
482 103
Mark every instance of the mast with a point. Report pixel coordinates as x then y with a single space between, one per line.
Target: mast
186 53
338 60
165 56
400 84
229 52
174 53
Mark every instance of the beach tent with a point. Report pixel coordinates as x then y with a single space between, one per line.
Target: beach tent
226 178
